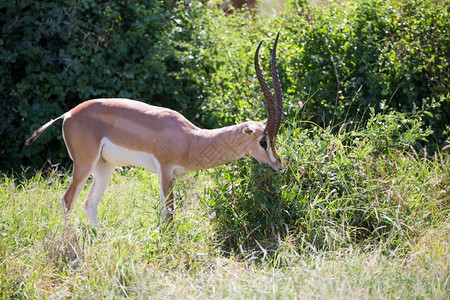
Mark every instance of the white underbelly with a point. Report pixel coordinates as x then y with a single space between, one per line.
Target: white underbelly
121 156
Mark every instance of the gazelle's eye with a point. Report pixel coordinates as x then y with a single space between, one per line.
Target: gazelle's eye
263 144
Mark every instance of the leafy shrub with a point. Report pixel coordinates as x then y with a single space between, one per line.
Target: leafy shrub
55 55
224 47
335 192
339 60
346 58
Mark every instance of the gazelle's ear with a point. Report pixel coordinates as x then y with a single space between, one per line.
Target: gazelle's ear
249 131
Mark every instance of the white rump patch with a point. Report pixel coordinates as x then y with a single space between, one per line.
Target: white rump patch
66 116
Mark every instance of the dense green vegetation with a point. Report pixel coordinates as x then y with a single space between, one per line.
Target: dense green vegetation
57 54
360 211
338 60
356 187
351 217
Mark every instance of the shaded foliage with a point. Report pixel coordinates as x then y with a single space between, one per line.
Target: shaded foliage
55 55
344 59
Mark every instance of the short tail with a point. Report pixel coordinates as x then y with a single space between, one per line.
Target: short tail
38 132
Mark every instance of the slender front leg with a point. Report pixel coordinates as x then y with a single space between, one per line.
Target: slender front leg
167 183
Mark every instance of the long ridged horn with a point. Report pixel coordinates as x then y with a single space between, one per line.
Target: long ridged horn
274 108
276 87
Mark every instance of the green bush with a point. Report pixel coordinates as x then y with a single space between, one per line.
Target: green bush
225 47
338 60
349 189
55 55
346 58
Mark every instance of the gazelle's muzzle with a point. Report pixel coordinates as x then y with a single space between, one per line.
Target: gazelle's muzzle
276 164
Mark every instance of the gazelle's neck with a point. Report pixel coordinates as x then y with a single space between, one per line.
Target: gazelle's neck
215 147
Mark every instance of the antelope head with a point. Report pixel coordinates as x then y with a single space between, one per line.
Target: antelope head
265 133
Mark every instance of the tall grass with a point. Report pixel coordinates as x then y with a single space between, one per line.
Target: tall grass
357 213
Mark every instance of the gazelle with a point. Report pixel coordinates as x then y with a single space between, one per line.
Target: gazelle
101 134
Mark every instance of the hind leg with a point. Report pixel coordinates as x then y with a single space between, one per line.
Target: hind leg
79 176
102 175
